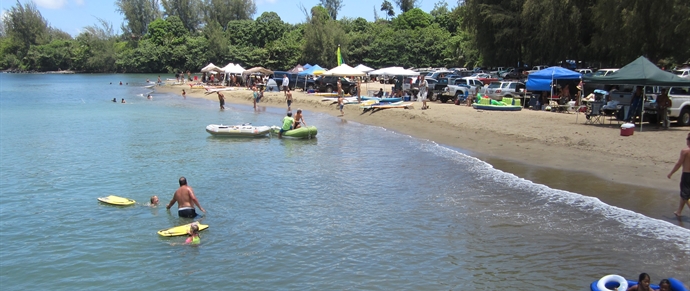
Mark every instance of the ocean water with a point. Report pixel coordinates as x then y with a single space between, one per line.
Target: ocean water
357 208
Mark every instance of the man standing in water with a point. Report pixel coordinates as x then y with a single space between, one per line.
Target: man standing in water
184 196
683 161
221 99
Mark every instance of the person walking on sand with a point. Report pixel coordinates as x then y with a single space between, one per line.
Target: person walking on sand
185 198
221 99
683 161
664 103
286 84
423 84
288 99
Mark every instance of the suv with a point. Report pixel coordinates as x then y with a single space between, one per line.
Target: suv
329 84
498 90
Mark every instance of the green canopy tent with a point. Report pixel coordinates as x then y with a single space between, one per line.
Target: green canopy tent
640 72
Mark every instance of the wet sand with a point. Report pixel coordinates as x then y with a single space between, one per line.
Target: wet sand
554 149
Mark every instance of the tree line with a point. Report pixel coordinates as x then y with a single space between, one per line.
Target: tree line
181 35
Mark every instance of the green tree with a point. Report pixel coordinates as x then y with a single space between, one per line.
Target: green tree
25 26
387 7
322 36
189 12
268 28
138 14
94 49
406 5
223 11
497 26
333 6
415 18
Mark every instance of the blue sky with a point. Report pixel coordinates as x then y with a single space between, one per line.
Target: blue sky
72 16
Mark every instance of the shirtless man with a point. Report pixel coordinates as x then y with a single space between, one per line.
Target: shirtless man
684 161
299 120
288 98
184 196
221 99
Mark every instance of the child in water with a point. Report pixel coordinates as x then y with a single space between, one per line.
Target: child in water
643 282
193 235
154 200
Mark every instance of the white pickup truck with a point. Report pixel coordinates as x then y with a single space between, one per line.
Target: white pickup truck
680 108
459 89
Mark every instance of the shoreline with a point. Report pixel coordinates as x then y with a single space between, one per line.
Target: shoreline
534 138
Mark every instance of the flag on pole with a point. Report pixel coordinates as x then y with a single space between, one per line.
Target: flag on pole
339 56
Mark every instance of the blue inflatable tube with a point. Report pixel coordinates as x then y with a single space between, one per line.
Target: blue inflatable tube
676 285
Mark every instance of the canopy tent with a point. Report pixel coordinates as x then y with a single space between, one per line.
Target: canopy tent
296 69
394 71
307 66
640 72
233 69
313 70
363 68
211 68
261 70
344 70
543 79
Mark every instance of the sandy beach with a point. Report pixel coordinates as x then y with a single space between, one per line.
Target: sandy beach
538 138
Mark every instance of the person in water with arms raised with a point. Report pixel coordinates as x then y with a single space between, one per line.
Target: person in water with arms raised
184 196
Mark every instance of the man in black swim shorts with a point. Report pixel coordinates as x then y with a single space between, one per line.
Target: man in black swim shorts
185 198
683 161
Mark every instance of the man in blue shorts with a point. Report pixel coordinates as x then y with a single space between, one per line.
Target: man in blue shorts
184 196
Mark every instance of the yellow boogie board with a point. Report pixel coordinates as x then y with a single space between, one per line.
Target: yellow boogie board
180 230
117 200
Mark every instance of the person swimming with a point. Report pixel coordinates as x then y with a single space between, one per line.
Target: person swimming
154 200
193 238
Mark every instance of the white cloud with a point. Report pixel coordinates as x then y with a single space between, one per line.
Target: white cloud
259 2
51 4
79 2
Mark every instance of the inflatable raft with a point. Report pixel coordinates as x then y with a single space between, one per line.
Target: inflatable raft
244 130
302 132
618 283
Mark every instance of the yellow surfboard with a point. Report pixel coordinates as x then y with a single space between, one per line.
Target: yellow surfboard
180 230
117 200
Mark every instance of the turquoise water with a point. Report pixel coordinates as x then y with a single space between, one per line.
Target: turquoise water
359 207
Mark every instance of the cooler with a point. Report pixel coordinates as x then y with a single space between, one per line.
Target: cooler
627 129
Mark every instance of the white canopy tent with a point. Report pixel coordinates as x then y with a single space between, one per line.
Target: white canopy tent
363 68
343 71
211 68
234 69
394 71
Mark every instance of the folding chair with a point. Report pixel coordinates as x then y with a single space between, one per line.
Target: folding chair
594 113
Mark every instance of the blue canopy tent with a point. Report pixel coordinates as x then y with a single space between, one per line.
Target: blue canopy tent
306 66
542 80
310 72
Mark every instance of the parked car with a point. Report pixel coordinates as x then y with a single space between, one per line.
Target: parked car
329 84
584 71
604 72
498 90
683 73
484 78
474 84
439 74
589 87
457 90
